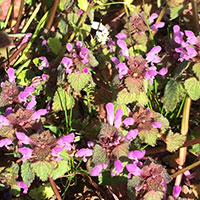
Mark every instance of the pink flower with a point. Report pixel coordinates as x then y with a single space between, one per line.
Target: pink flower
128 121
132 134
5 142
157 124
122 68
11 75
151 57
66 140
98 168
133 169
36 115
117 119
84 153
118 168
67 62
3 121
176 191
23 185
137 154
56 151
23 139
121 36
26 152
44 64
124 49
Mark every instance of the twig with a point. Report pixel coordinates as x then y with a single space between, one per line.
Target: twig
52 14
53 186
19 17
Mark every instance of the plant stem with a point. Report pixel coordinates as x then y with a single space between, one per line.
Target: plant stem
52 14
9 13
180 172
53 186
195 15
184 131
19 17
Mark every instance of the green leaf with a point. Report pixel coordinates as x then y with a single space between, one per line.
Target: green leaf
149 136
124 97
152 195
83 4
62 168
173 94
134 85
43 169
92 60
142 98
175 11
78 80
7 131
42 192
134 182
192 85
99 155
62 98
63 26
174 141
26 172
55 45
196 69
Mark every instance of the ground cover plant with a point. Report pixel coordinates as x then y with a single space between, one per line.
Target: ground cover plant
99 99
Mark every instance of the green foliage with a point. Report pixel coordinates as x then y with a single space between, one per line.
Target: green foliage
7 131
173 94
152 195
61 99
132 183
61 169
78 80
64 4
26 172
43 192
55 45
192 86
174 141
142 98
175 11
196 69
83 4
25 76
43 169
149 136
99 156
124 97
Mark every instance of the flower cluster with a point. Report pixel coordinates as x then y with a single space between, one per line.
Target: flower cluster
77 58
186 51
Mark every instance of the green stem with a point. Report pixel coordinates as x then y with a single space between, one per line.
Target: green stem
9 14
31 18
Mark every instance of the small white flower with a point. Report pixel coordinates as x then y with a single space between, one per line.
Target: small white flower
102 32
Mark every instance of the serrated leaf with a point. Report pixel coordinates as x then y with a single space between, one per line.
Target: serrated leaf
134 85
192 85
173 94
7 131
174 141
55 45
92 61
196 69
61 99
26 172
42 192
83 4
149 136
99 156
134 182
142 98
121 150
181 67
42 169
61 169
78 80
152 195
175 11
124 97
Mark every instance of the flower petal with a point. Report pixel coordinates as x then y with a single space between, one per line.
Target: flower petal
118 118
136 154
110 113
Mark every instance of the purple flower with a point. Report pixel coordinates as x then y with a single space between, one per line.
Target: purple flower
8 111
44 64
84 153
23 139
84 55
111 45
90 144
156 26
32 103
110 115
191 38
132 134
69 47
66 140
26 152
122 68
151 57
121 36
11 75
157 124
36 115
133 169
118 167
98 168
124 49
23 185
5 142
128 121
67 62
56 153
3 121
137 154
176 191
